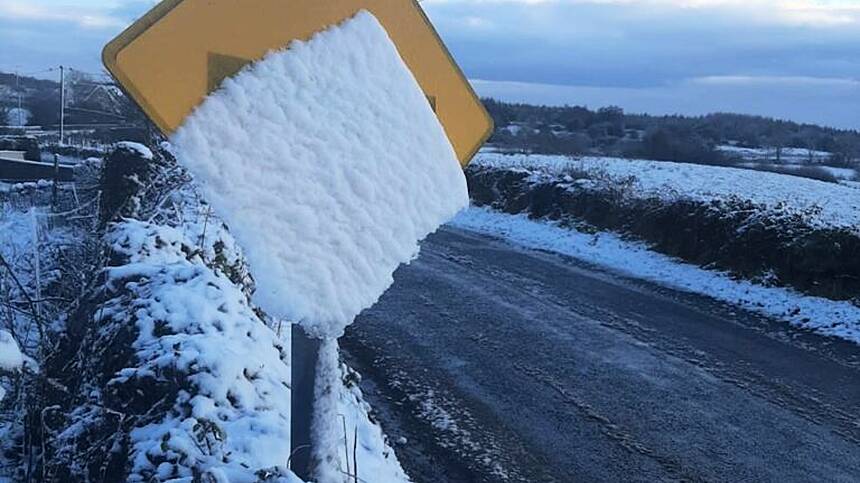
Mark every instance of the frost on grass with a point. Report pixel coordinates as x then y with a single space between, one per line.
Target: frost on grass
45 254
329 165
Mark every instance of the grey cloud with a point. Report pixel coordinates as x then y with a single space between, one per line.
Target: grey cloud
625 46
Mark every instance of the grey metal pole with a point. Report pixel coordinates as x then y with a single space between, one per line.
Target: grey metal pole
62 103
305 356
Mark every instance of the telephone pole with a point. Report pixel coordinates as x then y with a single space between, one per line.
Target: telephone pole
62 103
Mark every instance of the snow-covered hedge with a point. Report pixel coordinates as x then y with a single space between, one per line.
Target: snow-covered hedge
178 375
763 236
195 381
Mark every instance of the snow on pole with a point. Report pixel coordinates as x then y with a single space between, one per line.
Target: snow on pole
329 165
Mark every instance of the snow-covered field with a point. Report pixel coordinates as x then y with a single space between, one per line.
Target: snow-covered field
832 205
839 319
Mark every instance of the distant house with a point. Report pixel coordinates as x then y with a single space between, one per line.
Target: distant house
517 128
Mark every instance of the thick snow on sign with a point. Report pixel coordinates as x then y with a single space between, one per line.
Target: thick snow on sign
329 165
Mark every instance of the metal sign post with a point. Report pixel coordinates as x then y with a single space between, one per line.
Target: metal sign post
305 356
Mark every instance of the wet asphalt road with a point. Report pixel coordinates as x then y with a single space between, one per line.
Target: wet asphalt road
494 363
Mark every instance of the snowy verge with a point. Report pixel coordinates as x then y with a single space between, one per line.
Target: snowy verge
329 165
777 244
839 319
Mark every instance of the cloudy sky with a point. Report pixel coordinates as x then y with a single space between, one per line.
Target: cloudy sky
795 59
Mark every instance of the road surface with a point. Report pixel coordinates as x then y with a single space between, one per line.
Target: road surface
486 362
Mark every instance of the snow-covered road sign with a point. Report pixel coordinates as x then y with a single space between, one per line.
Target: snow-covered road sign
172 57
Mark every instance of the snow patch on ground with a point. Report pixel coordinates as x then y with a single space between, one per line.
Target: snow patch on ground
329 165
839 319
839 204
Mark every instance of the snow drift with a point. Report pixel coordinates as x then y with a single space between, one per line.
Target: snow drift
329 165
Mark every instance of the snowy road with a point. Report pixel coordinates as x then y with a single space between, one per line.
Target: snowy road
502 364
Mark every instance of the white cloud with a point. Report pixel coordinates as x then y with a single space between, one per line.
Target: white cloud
92 15
785 81
478 22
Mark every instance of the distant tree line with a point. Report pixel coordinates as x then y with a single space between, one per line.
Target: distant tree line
611 131
544 129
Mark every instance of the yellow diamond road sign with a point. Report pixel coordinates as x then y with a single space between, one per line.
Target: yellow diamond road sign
171 58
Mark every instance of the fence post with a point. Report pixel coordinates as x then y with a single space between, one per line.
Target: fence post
56 180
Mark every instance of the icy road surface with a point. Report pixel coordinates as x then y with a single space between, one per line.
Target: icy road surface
534 367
